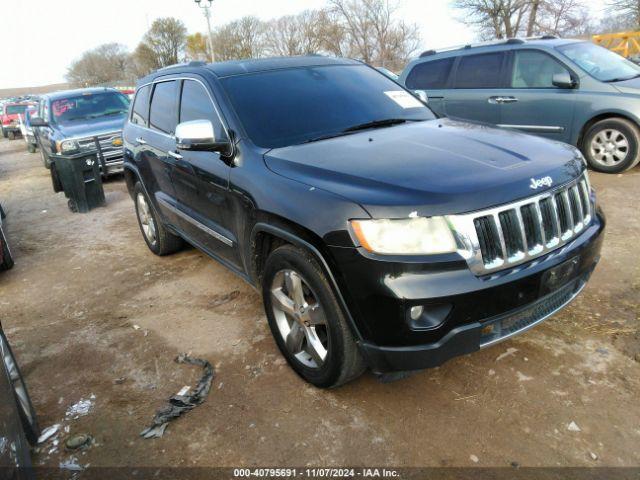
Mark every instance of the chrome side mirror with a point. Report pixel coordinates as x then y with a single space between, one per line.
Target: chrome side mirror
198 135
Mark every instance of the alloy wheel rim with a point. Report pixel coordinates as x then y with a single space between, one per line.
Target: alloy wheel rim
300 319
146 219
14 375
610 147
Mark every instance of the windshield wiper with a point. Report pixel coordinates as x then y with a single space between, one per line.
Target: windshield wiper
108 114
388 122
623 79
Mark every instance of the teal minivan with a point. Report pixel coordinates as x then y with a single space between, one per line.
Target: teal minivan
572 91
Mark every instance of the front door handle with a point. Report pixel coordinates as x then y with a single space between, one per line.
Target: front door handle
141 141
502 100
175 155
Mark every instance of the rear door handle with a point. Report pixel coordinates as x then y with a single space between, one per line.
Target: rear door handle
175 155
141 141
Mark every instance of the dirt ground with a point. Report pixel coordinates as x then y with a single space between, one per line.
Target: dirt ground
90 311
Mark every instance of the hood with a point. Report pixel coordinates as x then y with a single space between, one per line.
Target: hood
92 127
433 168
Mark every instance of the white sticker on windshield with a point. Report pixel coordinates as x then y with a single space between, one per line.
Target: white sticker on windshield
404 99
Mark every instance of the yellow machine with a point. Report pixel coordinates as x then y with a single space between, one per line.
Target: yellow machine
626 44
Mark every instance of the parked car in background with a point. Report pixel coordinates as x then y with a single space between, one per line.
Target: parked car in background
567 90
9 120
6 259
18 422
86 122
26 130
379 235
388 73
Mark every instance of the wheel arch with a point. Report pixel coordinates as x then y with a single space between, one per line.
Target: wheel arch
605 116
271 231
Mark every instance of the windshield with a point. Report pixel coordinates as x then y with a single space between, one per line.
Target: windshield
601 63
292 106
88 105
16 109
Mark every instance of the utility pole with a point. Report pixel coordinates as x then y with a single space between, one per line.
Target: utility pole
206 7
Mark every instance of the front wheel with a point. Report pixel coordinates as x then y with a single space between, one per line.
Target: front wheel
7 258
306 320
4 133
31 148
612 145
11 135
46 161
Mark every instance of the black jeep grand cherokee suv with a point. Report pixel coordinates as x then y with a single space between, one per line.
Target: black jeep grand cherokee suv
379 234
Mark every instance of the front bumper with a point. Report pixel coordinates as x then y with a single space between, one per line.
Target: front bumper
483 310
11 128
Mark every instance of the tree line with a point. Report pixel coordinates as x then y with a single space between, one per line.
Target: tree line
368 30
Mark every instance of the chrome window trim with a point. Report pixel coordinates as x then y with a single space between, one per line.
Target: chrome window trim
469 245
153 83
194 222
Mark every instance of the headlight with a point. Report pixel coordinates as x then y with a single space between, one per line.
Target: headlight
409 236
67 146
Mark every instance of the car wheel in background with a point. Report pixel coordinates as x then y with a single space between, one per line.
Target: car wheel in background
7 258
306 320
25 407
612 145
45 158
55 179
158 238
4 133
11 135
31 148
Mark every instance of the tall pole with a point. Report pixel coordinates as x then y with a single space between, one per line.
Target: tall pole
207 15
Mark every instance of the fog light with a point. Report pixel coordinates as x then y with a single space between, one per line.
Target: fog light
416 312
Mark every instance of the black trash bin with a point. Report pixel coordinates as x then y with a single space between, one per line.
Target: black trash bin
80 179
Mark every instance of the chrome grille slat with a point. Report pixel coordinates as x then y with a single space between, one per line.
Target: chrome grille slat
515 233
109 153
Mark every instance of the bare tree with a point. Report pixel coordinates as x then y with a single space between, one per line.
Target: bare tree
295 34
563 18
626 8
243 38
166 40
494 18
372 32
104 64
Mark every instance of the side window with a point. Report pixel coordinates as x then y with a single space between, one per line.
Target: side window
430 75
162 115
196 104
45 111
480 71
140 110
533 69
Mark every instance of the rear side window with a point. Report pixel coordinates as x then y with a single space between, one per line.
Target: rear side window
141 106
480 71
196 104
162 115
535 70
430 75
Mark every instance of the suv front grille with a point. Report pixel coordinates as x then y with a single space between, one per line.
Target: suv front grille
515 233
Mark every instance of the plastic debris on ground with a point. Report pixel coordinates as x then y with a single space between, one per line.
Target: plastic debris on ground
183 401
81 408
49 432
71 464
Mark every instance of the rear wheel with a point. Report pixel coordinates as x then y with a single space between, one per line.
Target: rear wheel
306 320
612 145
25 407
157 237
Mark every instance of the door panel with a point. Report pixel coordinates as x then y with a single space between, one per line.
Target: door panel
541 108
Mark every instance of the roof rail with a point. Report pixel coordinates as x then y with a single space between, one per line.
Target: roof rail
197 63
428 53
509 41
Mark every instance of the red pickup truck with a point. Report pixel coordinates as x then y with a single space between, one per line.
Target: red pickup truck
9 118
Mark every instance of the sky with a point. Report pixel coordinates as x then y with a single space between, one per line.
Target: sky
45 36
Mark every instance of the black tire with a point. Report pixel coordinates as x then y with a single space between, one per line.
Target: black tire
626 129
55 179
165 242
4 133
26 411
343 361
31 148
45 158
11 135
7 258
